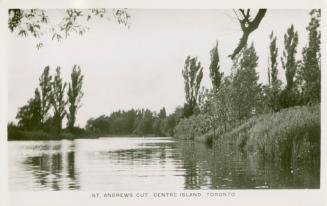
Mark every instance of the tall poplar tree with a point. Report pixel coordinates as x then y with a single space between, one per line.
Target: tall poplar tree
288 60
309 71
192 73
45 93
274 82
75 95
57 100
214 68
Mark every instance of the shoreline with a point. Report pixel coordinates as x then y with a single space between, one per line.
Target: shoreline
44 136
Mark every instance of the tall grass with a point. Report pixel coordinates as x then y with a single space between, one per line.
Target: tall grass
291 136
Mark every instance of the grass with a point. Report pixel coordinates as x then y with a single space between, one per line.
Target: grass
291 135
206 138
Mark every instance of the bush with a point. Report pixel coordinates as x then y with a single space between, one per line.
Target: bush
189 128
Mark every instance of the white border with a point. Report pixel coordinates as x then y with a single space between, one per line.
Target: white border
243 197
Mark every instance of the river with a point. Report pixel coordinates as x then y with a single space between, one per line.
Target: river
144 164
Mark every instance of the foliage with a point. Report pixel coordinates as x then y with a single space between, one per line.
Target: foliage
57 100
45 89
189 128
222 107
75 95
144 124
246 92
288 60
192 74
290 137
37 22
309 71
134 122
162 113
289 97
29 116
214 68
46 111
273 89
17 134
239 97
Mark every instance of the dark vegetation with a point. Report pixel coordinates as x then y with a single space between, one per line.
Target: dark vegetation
42 116
139 122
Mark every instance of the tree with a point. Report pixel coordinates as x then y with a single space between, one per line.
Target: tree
29 115
35 22
45 88
162 113
205 100
75 95
192 73
288 60
144 125
222 107
289 63
273 82
214 68
246 90
309 71
100 125
57 100
247 26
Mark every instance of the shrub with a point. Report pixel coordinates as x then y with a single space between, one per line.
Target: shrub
195 125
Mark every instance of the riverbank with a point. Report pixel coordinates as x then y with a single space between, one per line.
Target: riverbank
291 135
40 135
18 135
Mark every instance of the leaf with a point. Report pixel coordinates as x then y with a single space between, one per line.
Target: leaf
39 45
22 33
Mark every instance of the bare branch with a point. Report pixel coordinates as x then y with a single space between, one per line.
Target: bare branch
247 27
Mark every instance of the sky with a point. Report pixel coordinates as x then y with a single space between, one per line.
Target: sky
141 66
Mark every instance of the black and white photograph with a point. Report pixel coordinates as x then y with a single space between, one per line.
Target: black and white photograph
162 99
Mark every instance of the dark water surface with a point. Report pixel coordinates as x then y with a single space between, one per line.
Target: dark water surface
116 164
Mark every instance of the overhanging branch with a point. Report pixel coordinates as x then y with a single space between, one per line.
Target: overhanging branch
247 27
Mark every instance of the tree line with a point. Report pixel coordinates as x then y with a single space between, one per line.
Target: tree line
237 97
52 102
138 122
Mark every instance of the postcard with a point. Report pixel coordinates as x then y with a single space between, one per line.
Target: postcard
120 104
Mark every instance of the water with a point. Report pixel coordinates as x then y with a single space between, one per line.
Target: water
116 164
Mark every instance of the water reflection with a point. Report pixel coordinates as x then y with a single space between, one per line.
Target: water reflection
146 164
51 164
228 167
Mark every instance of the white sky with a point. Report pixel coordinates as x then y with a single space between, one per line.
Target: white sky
140 67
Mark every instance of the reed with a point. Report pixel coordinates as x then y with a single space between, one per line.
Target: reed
289 136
